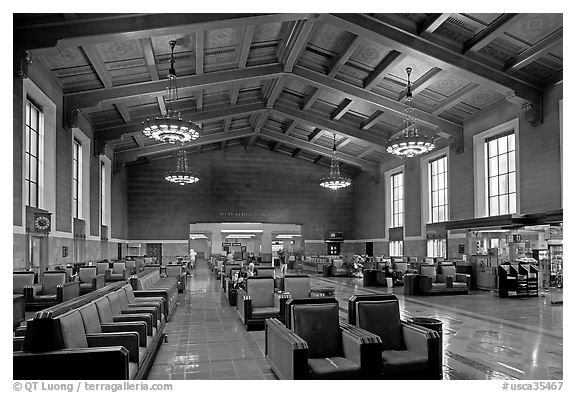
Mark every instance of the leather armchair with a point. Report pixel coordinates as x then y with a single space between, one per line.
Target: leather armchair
315 345
103 268
180 274
53 289
459 280
407 351
432 283
21 280
118 272
259 301
265 271
131 267
296 285
89 279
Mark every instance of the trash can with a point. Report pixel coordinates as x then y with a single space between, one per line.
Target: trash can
436 325
369 279
326 270
410 284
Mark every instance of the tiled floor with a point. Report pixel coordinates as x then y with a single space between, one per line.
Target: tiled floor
484 337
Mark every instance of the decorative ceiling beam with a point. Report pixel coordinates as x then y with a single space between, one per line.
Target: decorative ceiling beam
318 159
139 139
98 65
296 153
250 141
290 128
195 116
491 32
534 53
234 91
133 154
317 133
343 57
262 117
227 123
222 145
157 88
434 54
199 52
162 105
276 146
100 30
381 102
367 151
310 99
245 46
343 142
124 112
430 77
455 98
297 41
372 120
317 149
149 56
275 91
342 109
432 23
382 69
329 125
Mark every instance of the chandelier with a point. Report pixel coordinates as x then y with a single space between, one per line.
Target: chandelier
410 143
335 181
182 174
170 128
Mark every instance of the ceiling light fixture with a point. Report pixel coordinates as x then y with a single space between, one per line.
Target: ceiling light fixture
335 181
170 128
182 174
410 143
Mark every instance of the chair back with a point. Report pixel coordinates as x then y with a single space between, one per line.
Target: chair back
72 329
448 270
89 314
297 285
102 267
20 280
86 273
131 266
261 290
400 266
379 314
266 271
428 271
118 267
318 325
230 266
173 270
51 280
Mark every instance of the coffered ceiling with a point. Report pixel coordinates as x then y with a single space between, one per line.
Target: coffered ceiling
289 82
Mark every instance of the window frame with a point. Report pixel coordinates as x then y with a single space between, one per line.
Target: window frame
397 217
507 174
76 179
397 246
431 190
28 155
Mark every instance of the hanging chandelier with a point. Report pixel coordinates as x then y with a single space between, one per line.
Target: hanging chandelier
170 128
182 175
410 143
335 181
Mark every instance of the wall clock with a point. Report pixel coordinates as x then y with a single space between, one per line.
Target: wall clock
42 223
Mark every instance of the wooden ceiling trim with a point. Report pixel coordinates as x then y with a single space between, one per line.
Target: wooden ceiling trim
434 54
157 88
275 91
150 59
296 152
490 33
234 91
432 76
343 142
133 154
222 145
124 112
317 149
317 133
199 52
259 123
372 120
162 105
276 146
309 101
318 159
367 151
342 109
298 40
343 57
381 70
199 97
130 27
430 24
328 125
245 46
251 141
385 103
196 116
291 125
535 52
98 65
455 98
139 139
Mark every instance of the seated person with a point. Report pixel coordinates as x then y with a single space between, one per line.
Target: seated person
251 269
238 280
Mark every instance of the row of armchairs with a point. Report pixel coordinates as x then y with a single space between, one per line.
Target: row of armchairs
150 283
375 343
52 289
116 331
